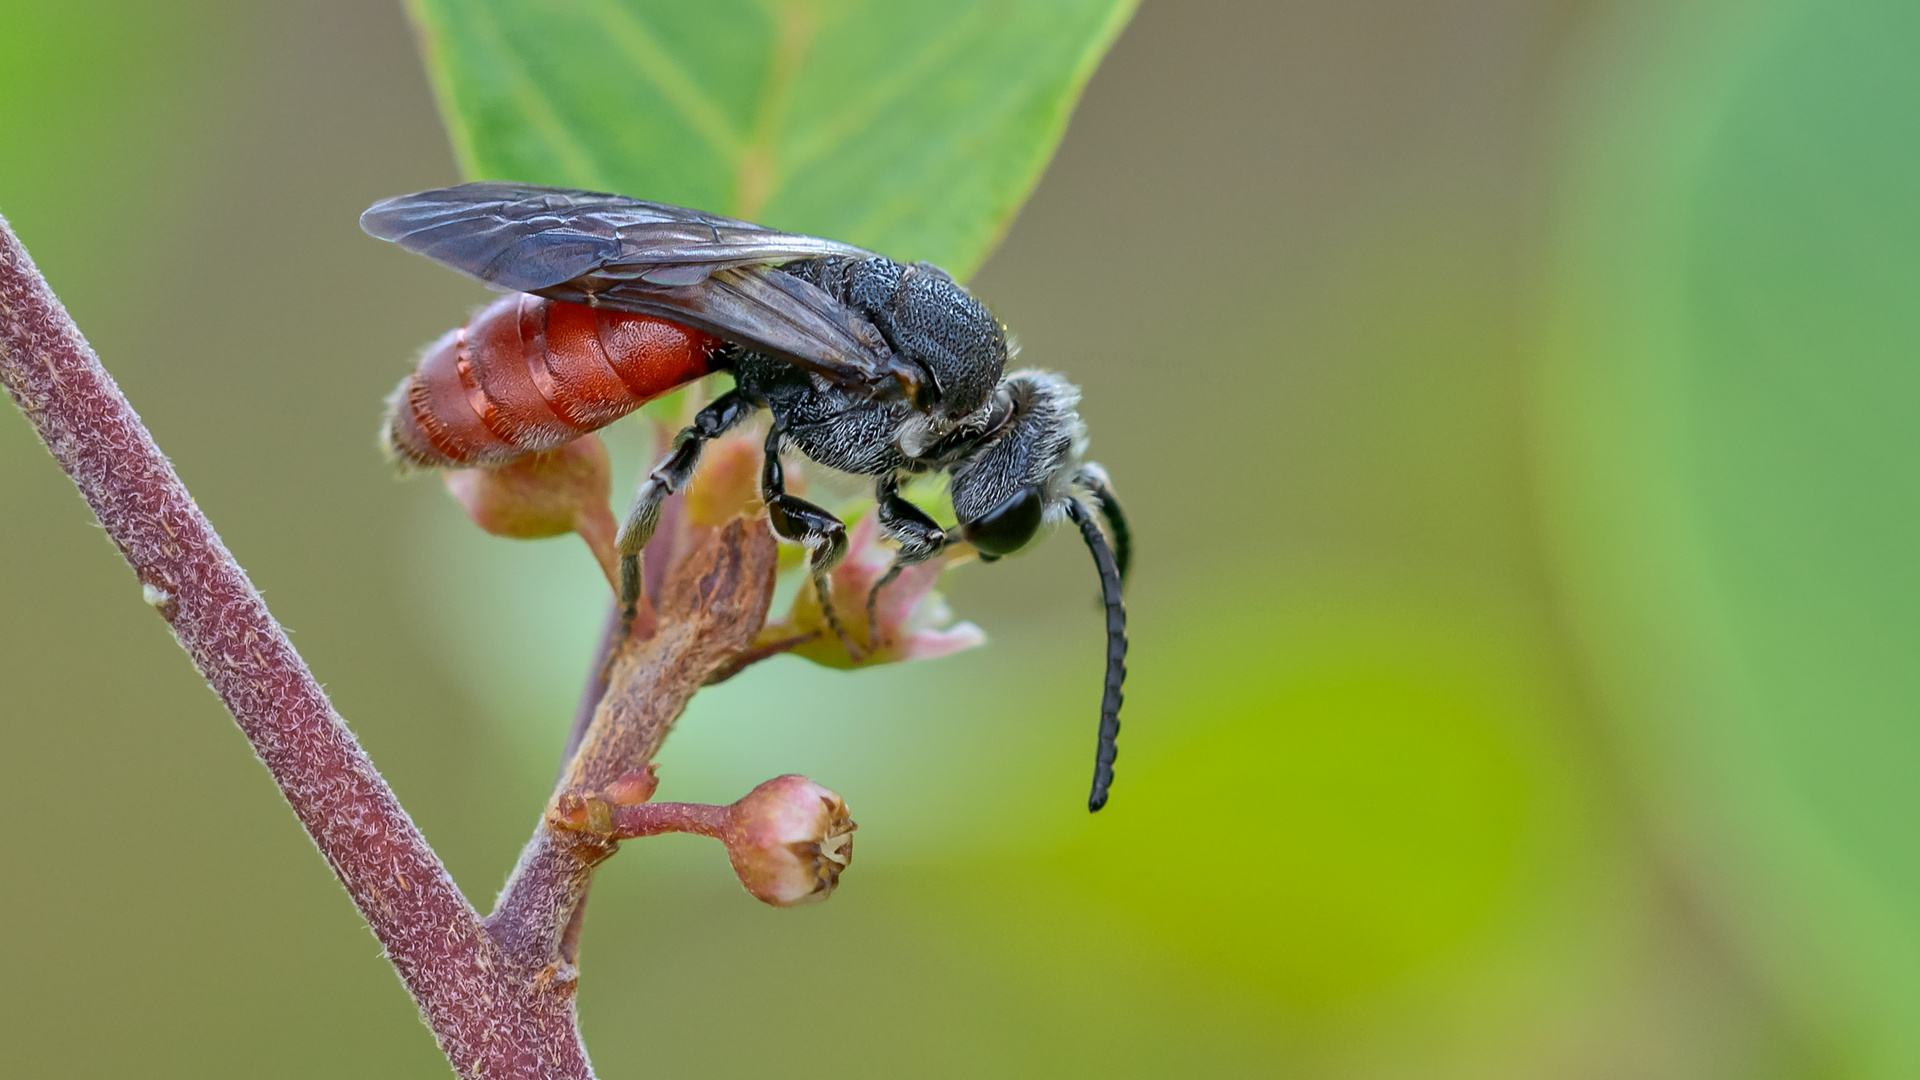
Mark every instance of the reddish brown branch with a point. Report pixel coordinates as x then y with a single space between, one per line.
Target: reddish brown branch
709 610
489 1023
662 552
655 819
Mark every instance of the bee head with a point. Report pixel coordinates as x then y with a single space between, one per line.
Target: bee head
1020 475
1027 472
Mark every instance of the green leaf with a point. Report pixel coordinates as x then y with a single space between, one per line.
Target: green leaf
916 130
1731 421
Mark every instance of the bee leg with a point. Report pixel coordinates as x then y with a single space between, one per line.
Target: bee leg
798 521
666 478
919 536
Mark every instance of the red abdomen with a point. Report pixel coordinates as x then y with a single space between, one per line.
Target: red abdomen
529 374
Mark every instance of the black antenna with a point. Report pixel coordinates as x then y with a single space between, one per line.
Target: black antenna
1108 748
1095 479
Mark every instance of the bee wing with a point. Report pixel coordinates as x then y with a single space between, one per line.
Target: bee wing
710 272
528 238
769 312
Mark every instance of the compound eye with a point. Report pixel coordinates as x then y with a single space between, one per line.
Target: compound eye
1006 528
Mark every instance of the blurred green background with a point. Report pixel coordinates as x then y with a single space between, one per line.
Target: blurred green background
1517 405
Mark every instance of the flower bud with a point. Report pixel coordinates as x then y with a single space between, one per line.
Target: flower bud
910 620
551 493
789 839
633 787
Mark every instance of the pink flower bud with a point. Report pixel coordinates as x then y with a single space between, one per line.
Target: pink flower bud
551 493
789 839
910 620
633 787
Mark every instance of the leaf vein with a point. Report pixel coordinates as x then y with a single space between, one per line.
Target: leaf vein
655 64
756 175
829 135
538 109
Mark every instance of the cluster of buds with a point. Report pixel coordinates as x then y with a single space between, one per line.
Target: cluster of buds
567 489
788 839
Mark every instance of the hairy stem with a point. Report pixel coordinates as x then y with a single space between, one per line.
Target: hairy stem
654 819
709 610
662 552
488 1022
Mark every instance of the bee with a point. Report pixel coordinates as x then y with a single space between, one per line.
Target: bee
866 365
